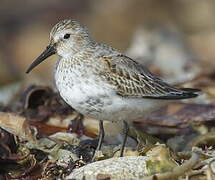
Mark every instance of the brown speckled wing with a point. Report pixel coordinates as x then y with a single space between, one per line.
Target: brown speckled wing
132 79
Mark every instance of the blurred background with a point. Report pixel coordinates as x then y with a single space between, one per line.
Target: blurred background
174 38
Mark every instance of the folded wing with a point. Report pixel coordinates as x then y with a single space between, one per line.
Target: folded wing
129 78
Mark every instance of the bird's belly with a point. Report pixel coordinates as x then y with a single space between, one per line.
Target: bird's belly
129 109
95 99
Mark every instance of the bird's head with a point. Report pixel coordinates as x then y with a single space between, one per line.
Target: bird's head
66 38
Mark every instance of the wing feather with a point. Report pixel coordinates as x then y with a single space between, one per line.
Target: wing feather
130 78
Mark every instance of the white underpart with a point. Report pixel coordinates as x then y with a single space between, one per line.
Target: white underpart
92 96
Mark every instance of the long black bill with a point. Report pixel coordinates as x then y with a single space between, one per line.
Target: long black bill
50 50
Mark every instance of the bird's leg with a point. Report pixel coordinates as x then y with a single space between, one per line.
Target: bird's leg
101 138
101 135
125 129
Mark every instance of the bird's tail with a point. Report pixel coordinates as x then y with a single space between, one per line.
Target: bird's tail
182 93
191 90
189 93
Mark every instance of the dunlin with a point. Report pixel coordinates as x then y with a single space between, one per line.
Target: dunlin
100 82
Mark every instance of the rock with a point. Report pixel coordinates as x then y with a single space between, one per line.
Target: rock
131 167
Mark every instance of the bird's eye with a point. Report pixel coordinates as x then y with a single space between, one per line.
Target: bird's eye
66 36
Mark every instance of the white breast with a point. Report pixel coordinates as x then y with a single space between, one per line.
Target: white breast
81 89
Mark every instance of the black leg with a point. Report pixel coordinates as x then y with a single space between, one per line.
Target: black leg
101 138
125 129
101 135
